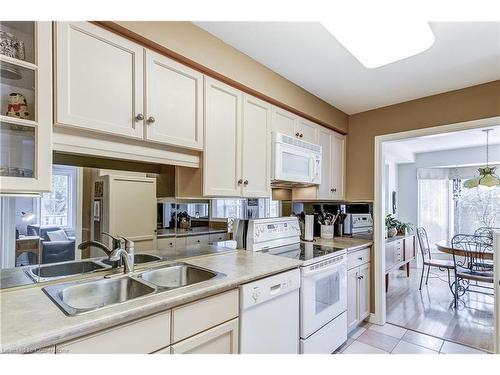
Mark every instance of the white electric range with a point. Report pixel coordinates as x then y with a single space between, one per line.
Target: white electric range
323 290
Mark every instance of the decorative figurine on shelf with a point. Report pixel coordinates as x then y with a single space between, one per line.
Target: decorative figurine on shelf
17 106
11 46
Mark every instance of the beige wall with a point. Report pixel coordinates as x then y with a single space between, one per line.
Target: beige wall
196 44
467 104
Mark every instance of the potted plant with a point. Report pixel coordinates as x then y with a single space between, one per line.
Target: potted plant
391 224
394 226
404 228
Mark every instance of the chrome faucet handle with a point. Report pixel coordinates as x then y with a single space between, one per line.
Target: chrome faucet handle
116 241
129 244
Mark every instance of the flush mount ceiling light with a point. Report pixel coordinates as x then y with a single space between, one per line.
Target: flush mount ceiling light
487 177
378 42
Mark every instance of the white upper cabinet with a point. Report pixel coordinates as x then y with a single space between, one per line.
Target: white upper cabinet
325 141
307 130
256 148
99 80
283 122
26 108
332 164
174 105
290 124
338 166
108 84
222 155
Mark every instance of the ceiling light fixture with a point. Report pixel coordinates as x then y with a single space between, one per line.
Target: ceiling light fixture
378 42
487 177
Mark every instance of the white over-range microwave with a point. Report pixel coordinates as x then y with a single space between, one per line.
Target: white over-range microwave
295 162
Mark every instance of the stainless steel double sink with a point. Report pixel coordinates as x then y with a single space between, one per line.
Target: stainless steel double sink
48 272
75 298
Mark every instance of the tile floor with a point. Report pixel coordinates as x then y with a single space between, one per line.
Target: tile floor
390 339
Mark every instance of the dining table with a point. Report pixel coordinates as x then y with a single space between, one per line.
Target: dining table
446 247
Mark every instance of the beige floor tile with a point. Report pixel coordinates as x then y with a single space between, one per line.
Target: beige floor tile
404 347
356 332
426 341
344 346
389 329
452 348
379 340
360 348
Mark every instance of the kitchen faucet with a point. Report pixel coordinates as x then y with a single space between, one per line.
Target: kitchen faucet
125 253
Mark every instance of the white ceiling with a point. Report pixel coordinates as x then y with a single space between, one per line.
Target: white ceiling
404 151
463 54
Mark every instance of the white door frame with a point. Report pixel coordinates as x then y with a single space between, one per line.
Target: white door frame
379 317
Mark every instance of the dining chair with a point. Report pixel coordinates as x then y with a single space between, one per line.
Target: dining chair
471 264
486 231
425 251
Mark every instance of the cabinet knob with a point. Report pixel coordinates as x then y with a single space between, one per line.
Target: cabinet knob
360 277
301 135
139 117
297 134
240 181
245 182
360 258
151 120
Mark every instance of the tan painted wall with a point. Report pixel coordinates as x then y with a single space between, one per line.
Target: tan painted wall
196 44
472 103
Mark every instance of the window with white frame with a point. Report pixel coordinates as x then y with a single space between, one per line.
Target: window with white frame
434 209
58 207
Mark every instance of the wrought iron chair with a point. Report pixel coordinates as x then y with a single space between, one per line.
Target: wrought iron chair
471 264
423 242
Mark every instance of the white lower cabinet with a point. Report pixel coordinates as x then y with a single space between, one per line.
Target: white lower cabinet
206 326
142 336
358 289
222 339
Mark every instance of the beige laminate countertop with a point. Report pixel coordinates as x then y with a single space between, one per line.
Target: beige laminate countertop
30 320
349 243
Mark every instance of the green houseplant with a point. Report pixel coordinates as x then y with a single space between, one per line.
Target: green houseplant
394 226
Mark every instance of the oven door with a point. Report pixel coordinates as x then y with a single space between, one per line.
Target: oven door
323 294
294 164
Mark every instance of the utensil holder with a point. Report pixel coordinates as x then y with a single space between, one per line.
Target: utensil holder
326 231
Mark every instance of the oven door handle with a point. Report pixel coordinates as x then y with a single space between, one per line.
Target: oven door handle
308 272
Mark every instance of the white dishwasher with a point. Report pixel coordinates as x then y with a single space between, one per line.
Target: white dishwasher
269 315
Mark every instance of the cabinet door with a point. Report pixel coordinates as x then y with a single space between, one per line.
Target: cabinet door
26 142
325 141
222 156
307 130
134 196
364 291
256 148
337 160
174 99
352 298
283 122
99 80
222 339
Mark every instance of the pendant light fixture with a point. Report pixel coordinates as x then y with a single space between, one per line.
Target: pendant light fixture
487 177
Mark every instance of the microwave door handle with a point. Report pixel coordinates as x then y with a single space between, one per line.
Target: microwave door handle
313 170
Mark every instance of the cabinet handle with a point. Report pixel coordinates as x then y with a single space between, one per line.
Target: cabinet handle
301 135
360 277
240 181
245 182
297 134
151 120
139 117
